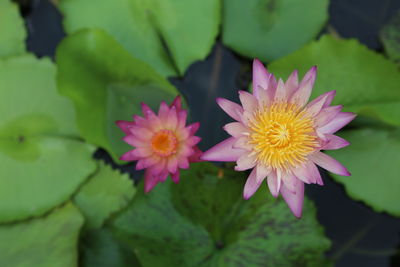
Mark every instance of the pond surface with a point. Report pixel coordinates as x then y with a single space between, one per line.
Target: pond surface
360 236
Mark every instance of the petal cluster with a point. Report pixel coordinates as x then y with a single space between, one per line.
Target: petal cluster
163 143
280 137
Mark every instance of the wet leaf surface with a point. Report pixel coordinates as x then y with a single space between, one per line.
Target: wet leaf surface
103 91
365 81
104 194
46 241
271 29
216 227
39 149
148 29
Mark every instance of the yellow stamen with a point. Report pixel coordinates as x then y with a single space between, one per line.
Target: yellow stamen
164 143
282 135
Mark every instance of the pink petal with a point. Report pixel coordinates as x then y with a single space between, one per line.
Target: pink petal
142 122
193 127
232 109
334 142
144 163
326 115
337 123
292 84
262 172
235 129
307 173
280 93
183 163
140 152
195 157
183 134
329 163
163 111
290 181
155 124
182 116
329 99
172 119
172 165
251 186
223 151
186 150
147 111
175 177
301 96
177 103
129 156
294 199
150 180
249 102
193 140
158 168
142 133
274 183
272 86
134 141
315 106
263 98
260 77
243 143
125 126
245 162
163 176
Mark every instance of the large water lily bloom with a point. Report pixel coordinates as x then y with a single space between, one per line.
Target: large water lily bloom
280 137
163 143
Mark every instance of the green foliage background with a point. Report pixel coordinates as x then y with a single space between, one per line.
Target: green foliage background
61 207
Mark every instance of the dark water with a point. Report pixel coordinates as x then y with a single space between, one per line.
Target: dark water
360 236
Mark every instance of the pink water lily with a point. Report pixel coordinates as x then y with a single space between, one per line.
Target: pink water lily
163 143
280 137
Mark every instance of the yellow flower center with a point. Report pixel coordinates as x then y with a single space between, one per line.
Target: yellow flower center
282 135
164 143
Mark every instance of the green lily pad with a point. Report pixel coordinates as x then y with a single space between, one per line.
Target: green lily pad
106 84
169 35
46 241
390 36
28 87
12 28
172 226
106 192
373 159
41 162
270 29
366 82
100 249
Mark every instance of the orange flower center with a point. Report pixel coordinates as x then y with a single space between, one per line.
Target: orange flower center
282 135
164 143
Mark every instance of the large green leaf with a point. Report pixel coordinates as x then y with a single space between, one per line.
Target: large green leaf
390 36
270 29
105 193
12 29
167 34
365 81
28 88
203 221
106 84
373 159
100 249
46 241
41 163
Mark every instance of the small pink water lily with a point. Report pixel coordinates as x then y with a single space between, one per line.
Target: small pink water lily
163 143
279 137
